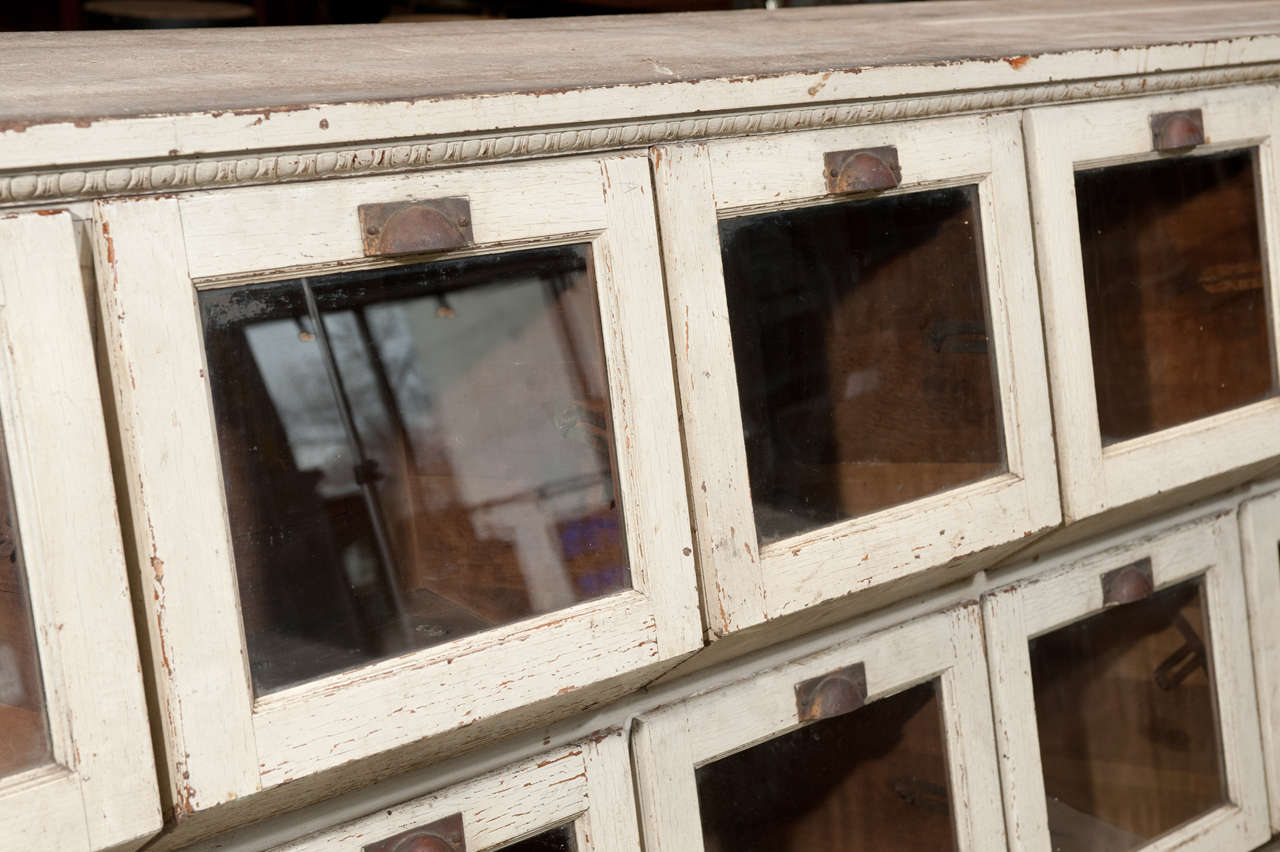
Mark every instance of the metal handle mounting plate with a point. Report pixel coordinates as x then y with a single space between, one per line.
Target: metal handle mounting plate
1177 131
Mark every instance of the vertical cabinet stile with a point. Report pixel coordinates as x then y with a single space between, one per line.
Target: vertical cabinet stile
1260 553
76 767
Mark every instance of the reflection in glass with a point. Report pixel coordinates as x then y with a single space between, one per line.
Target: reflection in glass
872 779
865 371
559 839
24 729
1175 290
1127 724
430 460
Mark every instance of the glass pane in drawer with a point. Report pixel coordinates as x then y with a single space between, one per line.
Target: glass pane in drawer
560 839
412 454
865 372
24 732
1125 711
872 779
1175 289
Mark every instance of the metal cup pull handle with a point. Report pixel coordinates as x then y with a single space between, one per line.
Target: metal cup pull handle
1177 131
861 170
1128 583
832 694
415 227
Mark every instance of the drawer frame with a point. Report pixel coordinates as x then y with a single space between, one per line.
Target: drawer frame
745 583
1061 140
1012 616
223 743
670 743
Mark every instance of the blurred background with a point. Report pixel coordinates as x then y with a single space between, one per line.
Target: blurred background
149 14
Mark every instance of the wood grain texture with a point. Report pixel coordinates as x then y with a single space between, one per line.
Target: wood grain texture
104 791
1059 140
1207 548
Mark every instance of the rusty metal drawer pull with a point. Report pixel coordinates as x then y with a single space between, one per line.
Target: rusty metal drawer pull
1177 131
443 835
1128 583
415 227
862 170
832 694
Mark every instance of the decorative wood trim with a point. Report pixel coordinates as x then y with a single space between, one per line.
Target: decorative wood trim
260 167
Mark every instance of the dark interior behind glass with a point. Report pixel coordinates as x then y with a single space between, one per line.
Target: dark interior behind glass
862 346
412 454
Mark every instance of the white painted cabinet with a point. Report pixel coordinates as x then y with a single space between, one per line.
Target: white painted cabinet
774 430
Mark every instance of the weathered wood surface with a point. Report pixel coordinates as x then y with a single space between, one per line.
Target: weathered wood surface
164 97
139 73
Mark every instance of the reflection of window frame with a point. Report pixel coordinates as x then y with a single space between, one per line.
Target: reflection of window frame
221 742
587 783
99 790
1061 140
1206 548
321 321
670 743
744 583
1260 552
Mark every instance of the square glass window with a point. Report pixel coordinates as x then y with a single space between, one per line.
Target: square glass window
412 454
24 726
1127 721
864 365
1176 290
872 779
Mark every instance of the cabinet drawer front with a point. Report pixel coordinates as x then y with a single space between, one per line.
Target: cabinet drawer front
1156 243
882 740
861 369
1135 666
426 467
